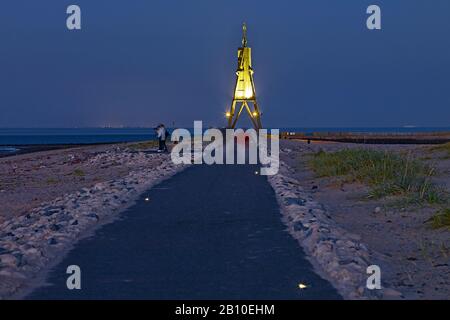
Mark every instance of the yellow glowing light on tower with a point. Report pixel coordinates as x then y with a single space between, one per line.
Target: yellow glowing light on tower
244 93
248 93
227 114
244 85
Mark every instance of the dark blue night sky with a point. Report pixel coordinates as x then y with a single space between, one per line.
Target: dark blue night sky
140 62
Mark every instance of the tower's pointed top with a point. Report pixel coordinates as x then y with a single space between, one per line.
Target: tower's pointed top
244 35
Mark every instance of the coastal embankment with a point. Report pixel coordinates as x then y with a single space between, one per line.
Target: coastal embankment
428 137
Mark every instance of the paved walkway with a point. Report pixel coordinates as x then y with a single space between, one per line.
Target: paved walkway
210 232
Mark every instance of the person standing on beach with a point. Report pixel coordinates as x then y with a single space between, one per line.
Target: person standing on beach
162 134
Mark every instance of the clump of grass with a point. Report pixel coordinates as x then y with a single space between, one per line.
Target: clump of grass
79 173
441 219
51 181
387 173
144 145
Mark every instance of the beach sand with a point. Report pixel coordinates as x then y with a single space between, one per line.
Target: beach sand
27 180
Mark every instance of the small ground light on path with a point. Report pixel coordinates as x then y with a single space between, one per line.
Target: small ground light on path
256 172
147 199
302 286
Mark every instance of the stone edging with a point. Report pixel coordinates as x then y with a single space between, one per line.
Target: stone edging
337 255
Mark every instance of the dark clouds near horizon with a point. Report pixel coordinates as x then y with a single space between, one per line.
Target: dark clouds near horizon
140 62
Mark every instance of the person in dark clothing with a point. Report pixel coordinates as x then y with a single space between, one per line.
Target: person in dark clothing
162 135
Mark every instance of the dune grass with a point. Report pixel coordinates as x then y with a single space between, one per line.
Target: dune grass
79 173
144 145
51 181
441 219
386 173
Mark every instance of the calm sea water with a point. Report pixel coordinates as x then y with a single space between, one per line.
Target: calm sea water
73 136
12 139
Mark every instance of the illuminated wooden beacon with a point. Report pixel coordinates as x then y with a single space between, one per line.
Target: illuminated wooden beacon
244 92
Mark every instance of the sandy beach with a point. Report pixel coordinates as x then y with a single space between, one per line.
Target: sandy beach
29 179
